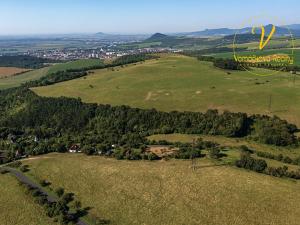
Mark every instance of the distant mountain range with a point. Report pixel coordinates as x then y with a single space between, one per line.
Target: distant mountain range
280 31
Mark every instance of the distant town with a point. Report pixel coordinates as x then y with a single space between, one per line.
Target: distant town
98 53
91 50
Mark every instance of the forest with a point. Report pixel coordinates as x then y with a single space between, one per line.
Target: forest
22 61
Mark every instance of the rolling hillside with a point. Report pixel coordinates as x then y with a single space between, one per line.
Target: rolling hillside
176 82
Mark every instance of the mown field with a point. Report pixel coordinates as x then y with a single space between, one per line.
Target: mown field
182 83
10 71
15 81
170 192
16 208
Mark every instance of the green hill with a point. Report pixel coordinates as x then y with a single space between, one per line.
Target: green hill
176 82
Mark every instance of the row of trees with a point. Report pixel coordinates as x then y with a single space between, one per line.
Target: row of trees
261 166
279 157
230 64
71 74
59 210
63 209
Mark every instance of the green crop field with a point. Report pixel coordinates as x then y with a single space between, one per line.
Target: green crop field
170 192
15 81
176 82
16 208
267 51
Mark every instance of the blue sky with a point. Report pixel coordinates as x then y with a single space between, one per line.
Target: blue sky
136 16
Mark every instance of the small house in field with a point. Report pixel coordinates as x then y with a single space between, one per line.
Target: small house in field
75 148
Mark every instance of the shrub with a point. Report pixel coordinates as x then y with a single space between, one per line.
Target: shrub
15 164
187 153
24 168
60 192
44 183
250 163
151 156
215 153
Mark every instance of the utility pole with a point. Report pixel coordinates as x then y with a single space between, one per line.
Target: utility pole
193 157
270 103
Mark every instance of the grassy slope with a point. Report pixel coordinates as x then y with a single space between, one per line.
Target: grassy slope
16 208
16 81
170 192
184 83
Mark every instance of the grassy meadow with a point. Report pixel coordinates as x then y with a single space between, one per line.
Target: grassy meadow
170 192
16 208
176 82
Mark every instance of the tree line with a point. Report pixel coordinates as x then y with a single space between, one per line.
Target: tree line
279 157
248 162
231 64
63 208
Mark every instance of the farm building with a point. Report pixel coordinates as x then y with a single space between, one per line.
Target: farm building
74 148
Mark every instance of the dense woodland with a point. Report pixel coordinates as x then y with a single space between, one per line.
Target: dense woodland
21 61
